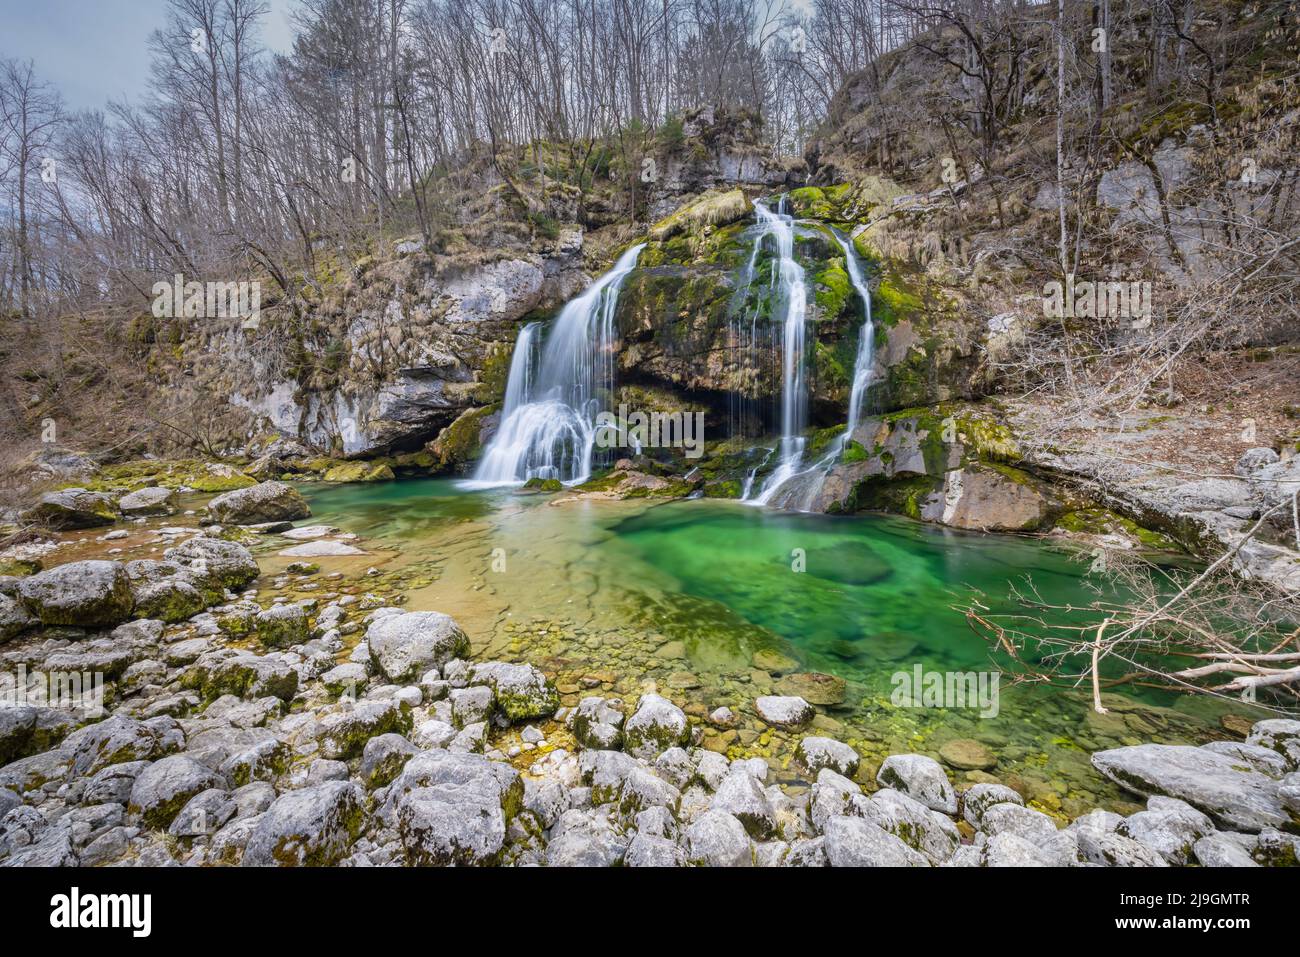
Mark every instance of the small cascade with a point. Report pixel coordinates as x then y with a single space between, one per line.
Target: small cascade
749 478
791 297
866 341
548 422
798 488
743 334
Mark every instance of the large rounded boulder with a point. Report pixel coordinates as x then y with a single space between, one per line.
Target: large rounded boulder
73 508
213 563
310 827
405 646
152 500
264 502
87 594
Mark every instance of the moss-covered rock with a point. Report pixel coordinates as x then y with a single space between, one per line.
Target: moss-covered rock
344 734
712 209
242 674
655 726
359 471
459 443
84 594
544 485
281 626
73 508
522 692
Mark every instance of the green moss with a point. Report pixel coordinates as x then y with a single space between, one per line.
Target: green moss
545 485
459 442
1100 521
359 471
893 301
854 452
711 209
991 440
20 567
729 488
170 473
834 288
674 489
821 439
219 483
493 375
171 605
827 203
900 496
527 704
831 374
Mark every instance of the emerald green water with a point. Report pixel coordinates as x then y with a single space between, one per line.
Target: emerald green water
618 597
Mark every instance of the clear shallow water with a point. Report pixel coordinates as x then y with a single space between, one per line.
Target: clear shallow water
617 597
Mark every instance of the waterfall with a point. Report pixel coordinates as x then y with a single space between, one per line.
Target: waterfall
791 296
866 341
548 422
797 488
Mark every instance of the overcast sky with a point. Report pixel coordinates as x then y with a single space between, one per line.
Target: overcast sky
96 50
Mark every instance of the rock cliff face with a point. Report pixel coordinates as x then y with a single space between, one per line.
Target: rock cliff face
696 318
386 360
389 355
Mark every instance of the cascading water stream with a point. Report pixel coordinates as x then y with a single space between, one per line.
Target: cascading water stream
791 296
797 488
548 422
866 341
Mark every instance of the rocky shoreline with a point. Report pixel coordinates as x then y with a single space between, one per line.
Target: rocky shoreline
345 730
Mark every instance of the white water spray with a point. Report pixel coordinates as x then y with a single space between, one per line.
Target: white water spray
866 341
548 422
797 488
791 296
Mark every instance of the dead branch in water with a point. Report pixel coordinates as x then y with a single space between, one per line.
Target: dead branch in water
1161 627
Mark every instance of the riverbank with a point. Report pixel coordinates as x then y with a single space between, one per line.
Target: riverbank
308 715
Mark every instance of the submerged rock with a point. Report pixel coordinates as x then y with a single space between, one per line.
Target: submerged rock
320 549
965 754
813 687
784 711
